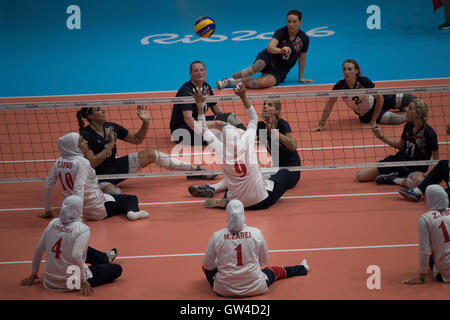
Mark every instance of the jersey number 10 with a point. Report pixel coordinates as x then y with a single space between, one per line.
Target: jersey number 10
68 181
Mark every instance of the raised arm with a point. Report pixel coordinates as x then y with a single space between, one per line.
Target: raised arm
138 137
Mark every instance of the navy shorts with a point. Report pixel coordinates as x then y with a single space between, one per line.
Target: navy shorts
269 69
402 171
122 167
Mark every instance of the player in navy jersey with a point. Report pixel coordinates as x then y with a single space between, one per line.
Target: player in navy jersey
441 172
184 116
286 147
418 142
370 109
101 136
287 45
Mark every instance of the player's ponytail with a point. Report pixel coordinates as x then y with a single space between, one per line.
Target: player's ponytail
82 113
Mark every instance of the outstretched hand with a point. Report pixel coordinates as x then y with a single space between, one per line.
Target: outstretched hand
240 90
199 98
143 114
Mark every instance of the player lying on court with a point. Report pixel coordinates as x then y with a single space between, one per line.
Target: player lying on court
65 244
418 142
237 156
288 45
234 257
284 143
77 177
370 109
438 174
434 237
102 135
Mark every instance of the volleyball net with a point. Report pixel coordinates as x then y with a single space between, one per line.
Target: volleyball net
30 130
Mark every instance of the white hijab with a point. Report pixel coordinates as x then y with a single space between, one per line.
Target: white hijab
71 209
235 216
68 146
436 197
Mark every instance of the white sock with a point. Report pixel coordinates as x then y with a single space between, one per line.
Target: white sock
219 186
400 181
166 161
305 264
135 215
418 191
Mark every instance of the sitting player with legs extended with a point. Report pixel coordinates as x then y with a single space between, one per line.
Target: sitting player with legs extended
418 142
65 244
185 115
101 137
434 237
235 255
288 45
370 109
237 156
272 125
438 174
77 177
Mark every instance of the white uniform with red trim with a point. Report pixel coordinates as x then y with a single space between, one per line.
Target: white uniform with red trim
434 233
77 177
239 162
65 243
238 252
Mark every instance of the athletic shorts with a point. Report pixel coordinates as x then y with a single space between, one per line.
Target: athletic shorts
269 69
402 171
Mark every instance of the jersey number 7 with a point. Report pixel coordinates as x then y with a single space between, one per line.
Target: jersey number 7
240 169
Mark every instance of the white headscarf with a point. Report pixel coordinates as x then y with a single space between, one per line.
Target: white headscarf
235 216
68 145
436 197
71 209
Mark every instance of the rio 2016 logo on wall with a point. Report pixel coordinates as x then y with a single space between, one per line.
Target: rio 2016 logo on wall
242 35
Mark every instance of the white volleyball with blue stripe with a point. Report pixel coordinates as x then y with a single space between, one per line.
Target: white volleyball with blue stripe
204 27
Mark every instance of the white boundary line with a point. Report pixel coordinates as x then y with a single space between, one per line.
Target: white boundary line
201 201
270 251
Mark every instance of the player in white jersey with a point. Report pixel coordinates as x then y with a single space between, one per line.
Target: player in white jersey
65 244
434 237
237 155
77 177
234 257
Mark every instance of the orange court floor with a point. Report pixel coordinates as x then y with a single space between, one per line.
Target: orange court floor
342 227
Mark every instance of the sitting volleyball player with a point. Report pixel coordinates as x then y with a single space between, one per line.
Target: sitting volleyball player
284 145
441 172
434 237
236 153
102 135
77 177
65 244
418 142
234 257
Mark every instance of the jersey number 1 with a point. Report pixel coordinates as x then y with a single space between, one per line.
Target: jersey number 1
69 181
445 232
238 250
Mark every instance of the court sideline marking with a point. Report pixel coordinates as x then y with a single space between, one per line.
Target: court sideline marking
200 201
270 251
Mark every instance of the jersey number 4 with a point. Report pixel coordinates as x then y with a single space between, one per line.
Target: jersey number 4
56 249
68 181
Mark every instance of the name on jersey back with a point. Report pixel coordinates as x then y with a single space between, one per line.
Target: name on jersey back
237 235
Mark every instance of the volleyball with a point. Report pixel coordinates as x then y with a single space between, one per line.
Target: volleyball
204 27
